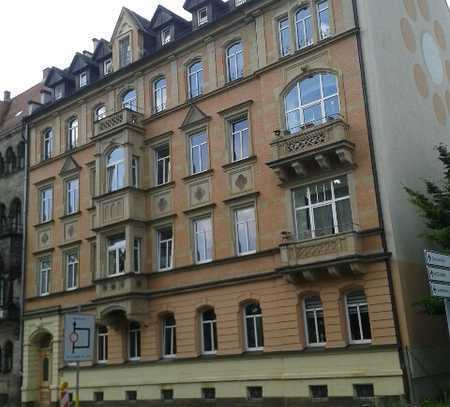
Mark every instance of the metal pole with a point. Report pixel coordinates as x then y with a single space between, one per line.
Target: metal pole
77 389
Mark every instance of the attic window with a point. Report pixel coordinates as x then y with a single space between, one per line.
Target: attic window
166 36
59 91
107 66
83 79
202 16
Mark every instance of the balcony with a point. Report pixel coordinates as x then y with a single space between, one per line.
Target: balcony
333 255
117 121
321 145
118 286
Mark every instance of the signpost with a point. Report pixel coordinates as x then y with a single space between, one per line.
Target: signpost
79 336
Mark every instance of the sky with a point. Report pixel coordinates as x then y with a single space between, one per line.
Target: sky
47 33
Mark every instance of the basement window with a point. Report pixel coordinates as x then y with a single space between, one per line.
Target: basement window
131 395
254 393
209 393
98 396
318 392
363 391
167 394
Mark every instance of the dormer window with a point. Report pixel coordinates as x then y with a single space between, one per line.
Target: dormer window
166 36
238 3
124 52
202 16
83 79
107 66
59 91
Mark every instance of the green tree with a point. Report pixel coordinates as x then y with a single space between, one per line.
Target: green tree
434 207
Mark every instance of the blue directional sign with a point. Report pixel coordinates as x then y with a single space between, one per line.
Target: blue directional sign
79 337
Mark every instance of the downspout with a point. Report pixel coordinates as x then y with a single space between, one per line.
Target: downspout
406 377
25 138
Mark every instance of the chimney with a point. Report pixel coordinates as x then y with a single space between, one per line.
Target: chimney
95 41
7 96
46 96
45 73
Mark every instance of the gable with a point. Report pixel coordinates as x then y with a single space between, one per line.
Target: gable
194 116
125 23
53 78
69 166
102 50
79 63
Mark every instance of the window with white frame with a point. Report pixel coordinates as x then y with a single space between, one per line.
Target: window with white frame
314 321
322 209
253 322
195 79
124 52
285 38
72 141
202 16
240 142
313 100
102 344
323 19
47 144
116 255
169 326
72 196
83 79
134 341
72 267
59 91
137 247
209 332
203 243
115 169
199 152
165 248
358 317
162 161
159 95
45 268
46 204
303 25
107 66
235 61
245 230
129 100
166 36
135 172
100 112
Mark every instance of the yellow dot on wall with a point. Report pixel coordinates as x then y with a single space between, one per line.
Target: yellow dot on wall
421 81
439 110
410 8
439 34
408 35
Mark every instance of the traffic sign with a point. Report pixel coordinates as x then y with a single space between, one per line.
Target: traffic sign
436 259
79 336
440 290
438 274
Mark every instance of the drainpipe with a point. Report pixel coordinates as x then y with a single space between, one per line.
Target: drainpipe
407 380
25 138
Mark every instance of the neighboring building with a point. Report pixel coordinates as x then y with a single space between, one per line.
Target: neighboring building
12 179
209 190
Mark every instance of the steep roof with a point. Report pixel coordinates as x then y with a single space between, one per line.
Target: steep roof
80 62
57 75
102 50
143 23
163 16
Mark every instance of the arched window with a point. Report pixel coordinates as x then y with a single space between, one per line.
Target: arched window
47 144
159 95
102 344
235 61
15 214
134 341
8 350
253 322
129 100
115 168
169 326
195 79
100 112
21 154
10 160
312 100
72 134
209 332
314 321
303 26
358 317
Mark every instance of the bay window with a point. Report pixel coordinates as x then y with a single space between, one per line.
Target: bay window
129 100
115 168
116 255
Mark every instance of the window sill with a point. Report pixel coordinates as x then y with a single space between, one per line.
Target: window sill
46 223
198 175
70 215
248 160
160 187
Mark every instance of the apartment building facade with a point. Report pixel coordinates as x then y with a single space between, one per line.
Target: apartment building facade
207 189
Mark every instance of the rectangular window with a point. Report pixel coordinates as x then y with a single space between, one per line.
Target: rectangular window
318 392
46 205
72 196
322 209
165 249
83 79
166 36
135 172
254 393
303 25
245 230
315 322
323 19
162 170
358 317
240 143
167 395
203 243
72 267
199 152
363 391
202 16
169 337
285 41
116 256
134 341
45 267
107 66
137 255
59 91
131 395
209 393
102 344
124 52
98 396
195 79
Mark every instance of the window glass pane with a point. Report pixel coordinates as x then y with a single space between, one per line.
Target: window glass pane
284 37
294 121
301 197
323 220
354 323
303 224
313 114
311 326
329 82
344 215
259 331
365 322
324 19
332 107
310 89
251 334
207 337
340 186
292 100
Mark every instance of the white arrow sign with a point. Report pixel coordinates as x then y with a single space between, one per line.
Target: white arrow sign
440 290
439 275
437 259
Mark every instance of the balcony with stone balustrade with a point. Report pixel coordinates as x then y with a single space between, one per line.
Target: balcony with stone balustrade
118 121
